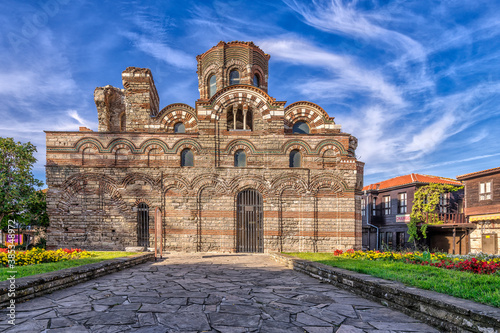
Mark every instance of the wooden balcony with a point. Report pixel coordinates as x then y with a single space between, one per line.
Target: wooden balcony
446 219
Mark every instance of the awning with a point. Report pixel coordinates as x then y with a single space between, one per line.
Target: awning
485 217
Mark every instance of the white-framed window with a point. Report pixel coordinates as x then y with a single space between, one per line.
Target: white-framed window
444 203
485 191
374 206
363 206
402 203
387 205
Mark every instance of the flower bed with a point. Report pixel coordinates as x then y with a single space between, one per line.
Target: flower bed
38 256
481 265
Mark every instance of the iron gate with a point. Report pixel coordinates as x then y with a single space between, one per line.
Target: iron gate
250 235
143 225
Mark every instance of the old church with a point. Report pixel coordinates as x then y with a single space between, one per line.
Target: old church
238 172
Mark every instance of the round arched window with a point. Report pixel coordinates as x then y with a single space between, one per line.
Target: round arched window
240 158
234 77
295 158
212 85
256 81
301 127
187 158
179 128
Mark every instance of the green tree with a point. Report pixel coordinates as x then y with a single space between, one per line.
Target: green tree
18 187
425 208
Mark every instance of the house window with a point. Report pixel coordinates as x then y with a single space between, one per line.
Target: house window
485 191
389 240
363 206
295 158
400 240
187 158
374 207
212 85
240 158
256 81
300 127
387 205
179 128
444 203
234 77
402 203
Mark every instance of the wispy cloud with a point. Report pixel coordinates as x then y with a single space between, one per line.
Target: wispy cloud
345 77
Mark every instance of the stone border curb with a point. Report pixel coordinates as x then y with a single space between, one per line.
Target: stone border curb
33 286
445 312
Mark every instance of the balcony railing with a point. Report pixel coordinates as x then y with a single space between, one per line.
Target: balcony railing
445 218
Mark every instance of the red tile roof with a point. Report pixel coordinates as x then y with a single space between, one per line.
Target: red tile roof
478 173
413 178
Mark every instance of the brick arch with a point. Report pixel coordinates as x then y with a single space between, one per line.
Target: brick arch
314 115
186 143
121 144
133 177
72 187
326 145
87 142
174 113
238 184
332 182
256 69
143 200
175 182
209 180
295 182
254 97
239 65
237 144
301 145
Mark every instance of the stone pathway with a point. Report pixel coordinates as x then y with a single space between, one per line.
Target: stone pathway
207 293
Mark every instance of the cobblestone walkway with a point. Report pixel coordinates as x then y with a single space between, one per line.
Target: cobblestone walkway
208 293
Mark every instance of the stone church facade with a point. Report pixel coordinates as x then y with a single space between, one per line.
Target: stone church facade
239 172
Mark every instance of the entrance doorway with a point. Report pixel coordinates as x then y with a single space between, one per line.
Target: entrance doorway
249 212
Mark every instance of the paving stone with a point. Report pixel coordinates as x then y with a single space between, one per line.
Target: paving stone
30 326
349 329
188 293
146 319
319 329
61 322
116 318
279 327
230 319
184 322
386 315
309 320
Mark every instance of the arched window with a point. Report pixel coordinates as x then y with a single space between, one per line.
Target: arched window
143 225
256 81
300 127
295 158
234 77
187 158
179 128
212 85
240 158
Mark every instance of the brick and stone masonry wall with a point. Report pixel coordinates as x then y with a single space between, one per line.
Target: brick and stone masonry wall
97 180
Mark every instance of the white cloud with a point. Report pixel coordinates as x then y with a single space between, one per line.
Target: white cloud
346 77
161 51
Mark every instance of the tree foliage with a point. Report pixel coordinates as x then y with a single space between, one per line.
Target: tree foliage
18 187
425 204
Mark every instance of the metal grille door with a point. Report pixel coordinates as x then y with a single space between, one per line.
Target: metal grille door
249 219
143 225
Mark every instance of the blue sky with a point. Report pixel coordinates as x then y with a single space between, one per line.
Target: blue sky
417 82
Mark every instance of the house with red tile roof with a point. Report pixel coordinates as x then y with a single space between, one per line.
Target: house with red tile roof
482 208
386 208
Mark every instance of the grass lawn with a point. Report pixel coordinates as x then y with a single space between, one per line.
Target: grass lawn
55 266
479 288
